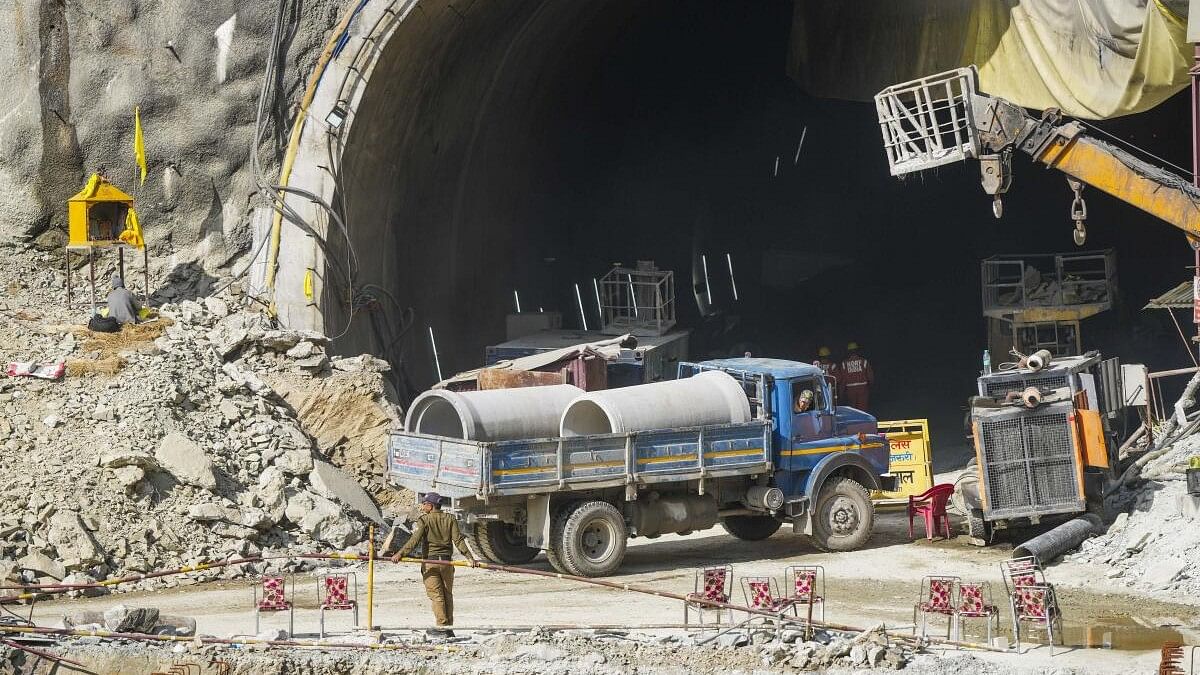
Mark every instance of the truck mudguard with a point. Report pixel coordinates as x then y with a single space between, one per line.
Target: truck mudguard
830 465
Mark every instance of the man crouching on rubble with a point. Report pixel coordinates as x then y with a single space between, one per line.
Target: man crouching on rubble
435 531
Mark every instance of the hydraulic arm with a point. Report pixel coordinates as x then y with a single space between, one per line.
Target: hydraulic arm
943 118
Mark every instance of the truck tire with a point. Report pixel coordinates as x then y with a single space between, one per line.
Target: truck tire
500 542
592 539
751 528
843 516
557 521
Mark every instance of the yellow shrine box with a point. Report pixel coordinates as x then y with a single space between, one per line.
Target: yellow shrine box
102 216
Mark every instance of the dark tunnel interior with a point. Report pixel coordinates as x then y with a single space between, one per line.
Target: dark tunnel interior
529 146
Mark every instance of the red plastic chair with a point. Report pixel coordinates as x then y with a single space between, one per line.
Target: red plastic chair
931 505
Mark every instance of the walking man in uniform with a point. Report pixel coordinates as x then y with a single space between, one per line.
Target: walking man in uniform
826 363
857 378
435 532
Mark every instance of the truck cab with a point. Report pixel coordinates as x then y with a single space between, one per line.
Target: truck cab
809 444
800 460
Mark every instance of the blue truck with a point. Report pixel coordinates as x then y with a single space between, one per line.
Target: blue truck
809 463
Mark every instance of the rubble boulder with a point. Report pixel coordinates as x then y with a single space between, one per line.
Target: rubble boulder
270 493
295 462
126 619
43 565
332 483
186 461
114 458
206 512
72 540
326 522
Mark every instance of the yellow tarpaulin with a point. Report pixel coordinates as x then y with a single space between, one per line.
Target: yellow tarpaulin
1093 60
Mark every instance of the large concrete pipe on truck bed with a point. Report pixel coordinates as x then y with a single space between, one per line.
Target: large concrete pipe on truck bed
492 415
711 397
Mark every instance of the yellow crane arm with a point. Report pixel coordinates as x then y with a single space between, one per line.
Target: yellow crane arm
1133 181
943 118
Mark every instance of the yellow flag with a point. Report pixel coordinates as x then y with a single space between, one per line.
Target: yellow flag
139 146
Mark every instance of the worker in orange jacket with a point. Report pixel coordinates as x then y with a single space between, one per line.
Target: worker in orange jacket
856 378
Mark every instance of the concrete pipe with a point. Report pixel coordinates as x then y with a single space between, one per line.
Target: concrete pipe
1066 537
1039 359
711 397
1031 397
493 415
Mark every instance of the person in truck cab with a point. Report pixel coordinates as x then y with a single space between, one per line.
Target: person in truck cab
803 402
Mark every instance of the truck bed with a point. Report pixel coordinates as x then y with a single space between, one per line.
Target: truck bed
459 468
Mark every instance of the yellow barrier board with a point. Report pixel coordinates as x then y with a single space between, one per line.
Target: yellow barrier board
911 460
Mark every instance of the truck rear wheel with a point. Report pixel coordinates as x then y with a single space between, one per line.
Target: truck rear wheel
504 543
751 528
843 516
591 541
553 547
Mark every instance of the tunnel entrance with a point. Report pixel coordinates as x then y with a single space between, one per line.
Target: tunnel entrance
529 146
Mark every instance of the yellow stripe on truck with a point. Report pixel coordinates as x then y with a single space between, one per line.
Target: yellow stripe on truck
831 448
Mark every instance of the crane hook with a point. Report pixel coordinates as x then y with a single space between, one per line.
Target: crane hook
1078 212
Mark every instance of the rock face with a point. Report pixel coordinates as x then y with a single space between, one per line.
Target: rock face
73 81
186 461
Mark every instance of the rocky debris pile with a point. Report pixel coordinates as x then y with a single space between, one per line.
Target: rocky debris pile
619 651
1154 544
183 455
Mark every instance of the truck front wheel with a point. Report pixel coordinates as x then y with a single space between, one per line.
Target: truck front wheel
591 540
751 528
505 544
843 516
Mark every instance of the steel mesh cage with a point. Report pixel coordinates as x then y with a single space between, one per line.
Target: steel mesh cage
1030 463
928 122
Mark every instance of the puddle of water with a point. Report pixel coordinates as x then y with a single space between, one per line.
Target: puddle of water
1123 633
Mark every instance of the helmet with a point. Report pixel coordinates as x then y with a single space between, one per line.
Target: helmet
824 351
852 346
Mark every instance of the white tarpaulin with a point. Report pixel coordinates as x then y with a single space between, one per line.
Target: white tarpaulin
1094 60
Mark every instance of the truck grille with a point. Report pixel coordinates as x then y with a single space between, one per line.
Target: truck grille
1029 462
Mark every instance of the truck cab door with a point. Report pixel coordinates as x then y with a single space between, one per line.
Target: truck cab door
816 422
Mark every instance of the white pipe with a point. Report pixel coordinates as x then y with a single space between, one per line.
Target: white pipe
579 301
711 397
599 307
707 288
517 297
632 295
1039 359
436 361
491 415
732 281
